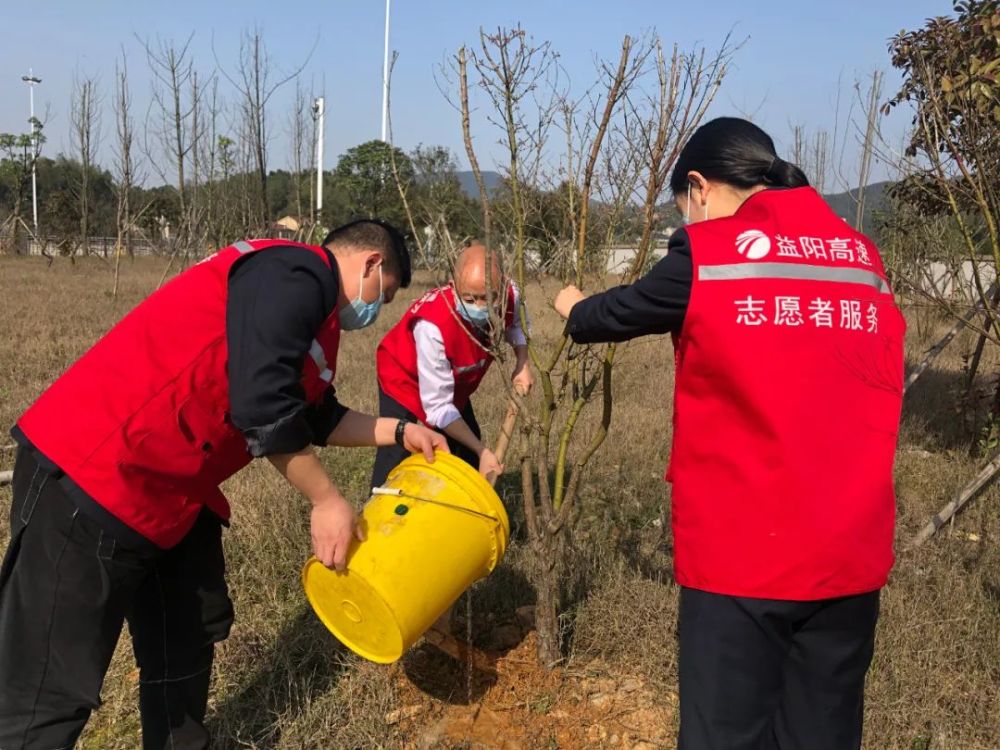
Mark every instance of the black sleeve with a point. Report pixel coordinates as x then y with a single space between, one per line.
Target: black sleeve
325 416
278 299
656 303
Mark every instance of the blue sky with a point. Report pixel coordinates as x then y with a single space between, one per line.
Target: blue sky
787 72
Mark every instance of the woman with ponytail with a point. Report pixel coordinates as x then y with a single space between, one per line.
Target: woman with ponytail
788 389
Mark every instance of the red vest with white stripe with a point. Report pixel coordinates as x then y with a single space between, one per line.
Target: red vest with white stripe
465 346
787 403
140 422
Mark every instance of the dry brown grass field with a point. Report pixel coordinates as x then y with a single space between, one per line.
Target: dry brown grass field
281 681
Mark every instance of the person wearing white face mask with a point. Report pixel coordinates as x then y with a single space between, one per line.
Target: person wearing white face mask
117 513
433 360
788 388
686 217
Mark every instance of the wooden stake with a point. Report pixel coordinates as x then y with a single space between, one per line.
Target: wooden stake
506 432
982 480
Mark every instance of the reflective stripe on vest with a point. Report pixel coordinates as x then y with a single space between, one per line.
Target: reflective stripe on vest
801 484
316 352
469 368
808 272
243 246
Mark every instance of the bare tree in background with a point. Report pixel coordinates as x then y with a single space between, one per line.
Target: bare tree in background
799 145
868 145
247 184
213 206
255 81
314 176
432 197
858 123
229 206
812 155
85 124
820 160
301 147
126 171
172 111
195 218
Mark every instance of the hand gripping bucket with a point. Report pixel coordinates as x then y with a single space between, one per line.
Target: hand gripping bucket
433 530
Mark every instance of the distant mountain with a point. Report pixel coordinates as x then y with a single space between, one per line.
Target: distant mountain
876 202
467 180
843 204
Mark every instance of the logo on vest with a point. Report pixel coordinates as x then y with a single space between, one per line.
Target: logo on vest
753 244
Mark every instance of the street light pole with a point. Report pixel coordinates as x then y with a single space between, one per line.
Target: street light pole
33 81
319 111
385 76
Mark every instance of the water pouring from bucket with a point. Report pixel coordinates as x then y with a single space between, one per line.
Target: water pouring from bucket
433 530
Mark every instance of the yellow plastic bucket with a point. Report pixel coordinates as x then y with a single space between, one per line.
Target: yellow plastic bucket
433 530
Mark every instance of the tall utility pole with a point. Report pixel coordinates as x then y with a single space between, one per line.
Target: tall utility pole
33 81
385 76
319 109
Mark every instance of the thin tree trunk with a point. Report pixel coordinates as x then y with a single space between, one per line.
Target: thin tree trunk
194 220
180 149
256 90
977 355
484 197
84 119
125 169
547 609
868 146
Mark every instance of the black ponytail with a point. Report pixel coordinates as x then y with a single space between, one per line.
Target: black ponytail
735 152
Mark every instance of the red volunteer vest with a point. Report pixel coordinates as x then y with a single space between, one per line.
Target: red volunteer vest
787 404
464 346
140 422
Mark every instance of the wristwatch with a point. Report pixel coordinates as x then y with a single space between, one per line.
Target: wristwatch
400 430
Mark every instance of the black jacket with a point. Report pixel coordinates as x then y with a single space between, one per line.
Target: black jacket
656 303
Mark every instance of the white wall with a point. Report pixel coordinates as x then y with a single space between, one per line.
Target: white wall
939 279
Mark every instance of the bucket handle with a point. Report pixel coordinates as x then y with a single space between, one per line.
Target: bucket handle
397 492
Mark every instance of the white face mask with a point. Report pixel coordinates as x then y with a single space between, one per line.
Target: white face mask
686 218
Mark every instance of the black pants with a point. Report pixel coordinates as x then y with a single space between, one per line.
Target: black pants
388 456
761 674
66 587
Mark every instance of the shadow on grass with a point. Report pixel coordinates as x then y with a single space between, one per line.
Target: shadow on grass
446 679
304 662
499 595
938 403
494 603
651 555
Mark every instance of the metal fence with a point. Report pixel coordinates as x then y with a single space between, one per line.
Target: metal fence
25 244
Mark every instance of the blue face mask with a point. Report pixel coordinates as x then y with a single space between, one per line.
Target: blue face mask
478 316
360 314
